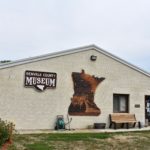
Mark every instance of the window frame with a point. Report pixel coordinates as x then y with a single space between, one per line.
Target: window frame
126 103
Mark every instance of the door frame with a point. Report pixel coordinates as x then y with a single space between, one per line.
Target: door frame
145 98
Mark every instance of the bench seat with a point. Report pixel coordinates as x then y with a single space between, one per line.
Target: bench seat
123 118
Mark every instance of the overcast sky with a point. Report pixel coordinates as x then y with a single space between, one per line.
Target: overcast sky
35 27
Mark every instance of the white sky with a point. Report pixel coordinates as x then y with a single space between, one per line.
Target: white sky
34 27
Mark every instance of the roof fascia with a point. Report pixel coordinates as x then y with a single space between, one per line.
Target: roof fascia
122 61
71 51
46 56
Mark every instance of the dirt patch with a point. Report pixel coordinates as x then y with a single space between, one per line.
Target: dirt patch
19 146
78 145
123 138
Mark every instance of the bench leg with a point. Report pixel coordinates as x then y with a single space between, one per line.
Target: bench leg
134 125
115 126
127 125
110 125
139 124
122 125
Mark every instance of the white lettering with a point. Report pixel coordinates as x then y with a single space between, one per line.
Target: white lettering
47 81
28 80
38 80
43 80
34 81
52 82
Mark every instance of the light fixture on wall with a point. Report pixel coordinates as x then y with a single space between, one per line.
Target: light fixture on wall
93 58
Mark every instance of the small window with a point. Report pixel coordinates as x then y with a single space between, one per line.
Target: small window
120 103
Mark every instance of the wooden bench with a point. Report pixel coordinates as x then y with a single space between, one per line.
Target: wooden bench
123 118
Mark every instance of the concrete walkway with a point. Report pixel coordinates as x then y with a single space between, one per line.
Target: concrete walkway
82 130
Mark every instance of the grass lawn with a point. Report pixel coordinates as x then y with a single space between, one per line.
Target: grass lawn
82 141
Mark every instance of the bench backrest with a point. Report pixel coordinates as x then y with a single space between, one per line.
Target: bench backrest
122 117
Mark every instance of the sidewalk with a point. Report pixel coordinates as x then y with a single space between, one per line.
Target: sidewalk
81 130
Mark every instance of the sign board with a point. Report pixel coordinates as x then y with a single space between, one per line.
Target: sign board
40 80
137 105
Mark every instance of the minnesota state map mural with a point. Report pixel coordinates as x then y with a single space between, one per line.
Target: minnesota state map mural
82 102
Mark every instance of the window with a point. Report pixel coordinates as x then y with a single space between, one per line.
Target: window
120 103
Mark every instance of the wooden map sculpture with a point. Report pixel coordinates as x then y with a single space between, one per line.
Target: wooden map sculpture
82 102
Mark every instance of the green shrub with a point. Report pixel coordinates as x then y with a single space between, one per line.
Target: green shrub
6 129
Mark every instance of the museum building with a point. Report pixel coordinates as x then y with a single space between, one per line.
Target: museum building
83 84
